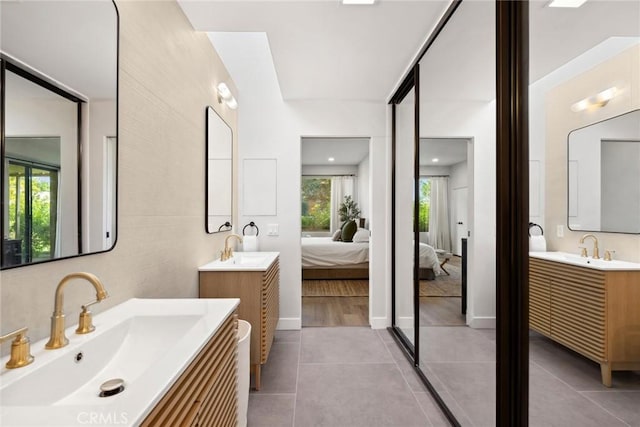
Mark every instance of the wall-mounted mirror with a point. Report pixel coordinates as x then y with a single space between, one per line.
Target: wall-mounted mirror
219 183
604 176
59 129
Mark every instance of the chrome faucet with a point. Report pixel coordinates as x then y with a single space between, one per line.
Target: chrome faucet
227 252
20 348
596 252
58 338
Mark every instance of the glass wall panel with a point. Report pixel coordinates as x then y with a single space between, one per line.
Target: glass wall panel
457 301
404 205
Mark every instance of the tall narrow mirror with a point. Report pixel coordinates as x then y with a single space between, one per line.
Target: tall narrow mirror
59 129
219 184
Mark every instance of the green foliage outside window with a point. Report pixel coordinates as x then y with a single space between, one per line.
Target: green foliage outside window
424 205
41 238
316 204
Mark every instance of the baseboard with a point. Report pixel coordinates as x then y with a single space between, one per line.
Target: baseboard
483 323
289 324
379 322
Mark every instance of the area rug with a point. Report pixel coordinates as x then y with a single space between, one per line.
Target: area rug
444 285
335 288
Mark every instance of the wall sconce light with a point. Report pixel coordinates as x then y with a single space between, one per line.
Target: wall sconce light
598 100
224 94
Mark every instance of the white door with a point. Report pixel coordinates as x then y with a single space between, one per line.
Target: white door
459 218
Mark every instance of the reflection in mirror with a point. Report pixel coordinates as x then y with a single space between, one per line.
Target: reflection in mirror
604 176
404 224
458 116
59 131
590 151
219 184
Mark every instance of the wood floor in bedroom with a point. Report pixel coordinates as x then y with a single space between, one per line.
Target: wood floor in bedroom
332 303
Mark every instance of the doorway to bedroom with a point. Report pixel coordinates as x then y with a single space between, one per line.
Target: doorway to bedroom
442 225
335 213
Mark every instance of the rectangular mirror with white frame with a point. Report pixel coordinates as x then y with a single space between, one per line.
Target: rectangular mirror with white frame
604 176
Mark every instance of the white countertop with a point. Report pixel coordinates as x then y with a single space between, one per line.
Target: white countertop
146 342
243 261
588 262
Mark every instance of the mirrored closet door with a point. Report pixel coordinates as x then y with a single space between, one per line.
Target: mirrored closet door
457 173
444 200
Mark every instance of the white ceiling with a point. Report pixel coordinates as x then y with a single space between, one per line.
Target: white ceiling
71 42
322 49
448 151
326 50
345 151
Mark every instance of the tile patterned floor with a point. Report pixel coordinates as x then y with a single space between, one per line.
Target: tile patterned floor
348 376
565 388
354 376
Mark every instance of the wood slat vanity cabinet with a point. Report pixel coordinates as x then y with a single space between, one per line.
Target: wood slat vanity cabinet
593 312
259 305
205 394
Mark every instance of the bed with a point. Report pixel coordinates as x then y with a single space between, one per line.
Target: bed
323 258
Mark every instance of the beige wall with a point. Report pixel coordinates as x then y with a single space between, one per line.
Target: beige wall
623 72
167 76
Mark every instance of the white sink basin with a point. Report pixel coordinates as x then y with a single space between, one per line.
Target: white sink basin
147 343
597 264
242 261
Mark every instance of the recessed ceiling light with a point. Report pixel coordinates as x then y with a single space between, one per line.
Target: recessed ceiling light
566 3
358 1
331 159
435 160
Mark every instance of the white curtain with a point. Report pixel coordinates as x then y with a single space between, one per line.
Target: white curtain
341 186
58 240
439 231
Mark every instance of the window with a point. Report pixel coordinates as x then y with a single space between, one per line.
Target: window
425 204
316 204
33 200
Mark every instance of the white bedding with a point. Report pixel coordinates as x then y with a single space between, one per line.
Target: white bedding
429 258
324 252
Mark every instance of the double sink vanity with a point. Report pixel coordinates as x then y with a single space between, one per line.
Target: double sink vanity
589 305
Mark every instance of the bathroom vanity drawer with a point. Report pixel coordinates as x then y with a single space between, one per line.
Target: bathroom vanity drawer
205 394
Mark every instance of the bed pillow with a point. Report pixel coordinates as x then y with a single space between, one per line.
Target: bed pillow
349 228
361 236
336 235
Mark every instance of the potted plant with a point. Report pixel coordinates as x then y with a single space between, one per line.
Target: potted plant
348 212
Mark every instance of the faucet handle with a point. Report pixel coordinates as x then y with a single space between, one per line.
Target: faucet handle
583 251
20 348
85 322
608 254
